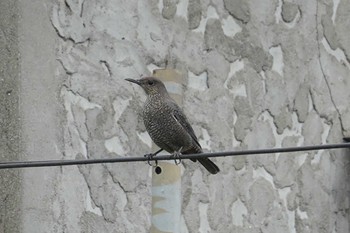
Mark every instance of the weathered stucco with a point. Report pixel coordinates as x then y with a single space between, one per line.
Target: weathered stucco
259 74
10 182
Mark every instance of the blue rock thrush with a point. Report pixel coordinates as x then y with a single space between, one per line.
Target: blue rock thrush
167 124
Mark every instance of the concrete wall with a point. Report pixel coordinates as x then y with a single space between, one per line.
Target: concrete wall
259 74
10 182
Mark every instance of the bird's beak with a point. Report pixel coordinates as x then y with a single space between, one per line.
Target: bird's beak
133 81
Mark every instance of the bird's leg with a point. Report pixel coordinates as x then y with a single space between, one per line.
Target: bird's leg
151 155
177 156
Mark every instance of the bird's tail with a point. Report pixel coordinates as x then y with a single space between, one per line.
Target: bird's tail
209 165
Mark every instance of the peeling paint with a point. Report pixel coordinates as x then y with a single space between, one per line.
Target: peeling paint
114 145
199 82
90 206
263 74
145 138
119 106
338 53
204 224
277 55
239 213
335 8
205 140
230 27
211 14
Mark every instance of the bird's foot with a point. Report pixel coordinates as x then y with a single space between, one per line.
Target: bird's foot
150 158
177 156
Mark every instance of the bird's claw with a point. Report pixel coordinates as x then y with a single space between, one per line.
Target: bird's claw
150 158
177 156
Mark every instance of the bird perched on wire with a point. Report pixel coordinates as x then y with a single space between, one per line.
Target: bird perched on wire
166 123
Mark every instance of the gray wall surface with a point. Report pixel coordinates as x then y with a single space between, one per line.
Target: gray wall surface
259 74
10 181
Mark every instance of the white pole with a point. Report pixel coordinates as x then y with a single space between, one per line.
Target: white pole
166 185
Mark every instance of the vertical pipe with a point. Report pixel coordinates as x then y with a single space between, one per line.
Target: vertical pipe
166 186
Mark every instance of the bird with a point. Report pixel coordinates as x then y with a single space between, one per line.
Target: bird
167 124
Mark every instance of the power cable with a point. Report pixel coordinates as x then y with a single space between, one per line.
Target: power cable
51 163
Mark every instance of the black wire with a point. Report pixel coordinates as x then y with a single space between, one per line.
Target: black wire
51 163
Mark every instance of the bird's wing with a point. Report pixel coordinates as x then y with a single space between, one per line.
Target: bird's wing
181 118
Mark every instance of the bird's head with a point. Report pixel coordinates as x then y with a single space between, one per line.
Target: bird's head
151 85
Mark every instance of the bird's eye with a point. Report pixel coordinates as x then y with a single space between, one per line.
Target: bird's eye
150 82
